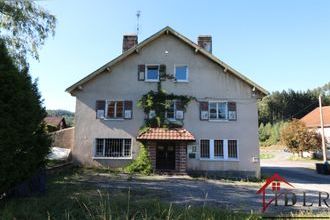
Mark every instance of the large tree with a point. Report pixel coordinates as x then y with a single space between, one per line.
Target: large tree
298 138
24 143
24 26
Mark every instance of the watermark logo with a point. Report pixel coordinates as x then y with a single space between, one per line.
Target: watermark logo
273 184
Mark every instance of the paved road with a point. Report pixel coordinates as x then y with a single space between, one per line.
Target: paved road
301 173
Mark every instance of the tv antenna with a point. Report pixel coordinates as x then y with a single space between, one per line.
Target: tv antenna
138 14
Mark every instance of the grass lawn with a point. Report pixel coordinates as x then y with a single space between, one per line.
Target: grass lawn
266 156
305 159
67 198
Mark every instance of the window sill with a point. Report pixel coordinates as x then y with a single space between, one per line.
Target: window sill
113 119
220 159
218 120
151 80
181 81
112 158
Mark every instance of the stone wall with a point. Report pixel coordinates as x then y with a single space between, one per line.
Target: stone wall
63 138
181 157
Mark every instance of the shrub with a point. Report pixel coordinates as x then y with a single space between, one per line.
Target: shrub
24 143
298 138
141 164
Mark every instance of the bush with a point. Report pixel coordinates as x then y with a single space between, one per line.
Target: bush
24 143
298 138
141 164
270 134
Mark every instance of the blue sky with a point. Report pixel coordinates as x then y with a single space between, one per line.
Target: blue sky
278 44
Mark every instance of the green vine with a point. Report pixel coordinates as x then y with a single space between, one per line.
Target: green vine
160 102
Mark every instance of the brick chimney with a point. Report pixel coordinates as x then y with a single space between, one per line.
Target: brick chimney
129 41
205 41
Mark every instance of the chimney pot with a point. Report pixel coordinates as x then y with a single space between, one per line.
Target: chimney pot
205 42
129 41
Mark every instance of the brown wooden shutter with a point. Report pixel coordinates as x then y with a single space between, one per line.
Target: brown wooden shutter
204 111
128 109
162 72
141 72
99 107
179 115
232 112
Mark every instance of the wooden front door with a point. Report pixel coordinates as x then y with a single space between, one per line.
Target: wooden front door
165 156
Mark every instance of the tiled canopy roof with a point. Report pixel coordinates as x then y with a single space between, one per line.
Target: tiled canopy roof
312 119
179 134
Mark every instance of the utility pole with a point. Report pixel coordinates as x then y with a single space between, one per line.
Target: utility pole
322 130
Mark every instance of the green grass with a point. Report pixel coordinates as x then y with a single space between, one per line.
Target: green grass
305 159
68 197
266 156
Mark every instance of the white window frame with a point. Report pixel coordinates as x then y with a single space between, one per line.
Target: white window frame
217 110
106 110
174 113
225 150
187 75
146 73
112 158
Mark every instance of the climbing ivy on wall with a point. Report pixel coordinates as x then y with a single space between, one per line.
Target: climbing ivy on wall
160 101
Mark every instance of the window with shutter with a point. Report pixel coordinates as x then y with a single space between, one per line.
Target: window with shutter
128 106
141 72
162 72
232 112
100 108
204 110
179 113
152 74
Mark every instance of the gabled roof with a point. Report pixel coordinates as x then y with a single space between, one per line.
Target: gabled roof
167 30
175 134
53 120
312 119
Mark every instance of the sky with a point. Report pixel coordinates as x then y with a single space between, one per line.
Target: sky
279 44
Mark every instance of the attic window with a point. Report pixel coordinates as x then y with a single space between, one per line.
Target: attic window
152 73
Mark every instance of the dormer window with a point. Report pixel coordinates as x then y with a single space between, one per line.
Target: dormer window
152 73
181 73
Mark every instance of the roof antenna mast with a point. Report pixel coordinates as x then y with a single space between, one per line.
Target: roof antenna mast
138 14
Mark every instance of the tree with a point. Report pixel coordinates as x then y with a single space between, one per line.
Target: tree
298 138
24 26
24 143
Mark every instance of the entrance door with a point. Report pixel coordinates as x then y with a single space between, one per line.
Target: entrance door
165 156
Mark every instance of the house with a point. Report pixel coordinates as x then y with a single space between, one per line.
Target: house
55 123
312 120
216 132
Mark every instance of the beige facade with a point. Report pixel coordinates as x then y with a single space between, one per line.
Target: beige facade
207 81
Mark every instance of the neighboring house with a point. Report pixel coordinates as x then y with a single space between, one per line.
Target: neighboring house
220 126
312 120
55 123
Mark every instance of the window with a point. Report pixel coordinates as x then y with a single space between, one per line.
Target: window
205 149
115 109
232 148
218 110
170 111
218 148
181 73
152 73
113 148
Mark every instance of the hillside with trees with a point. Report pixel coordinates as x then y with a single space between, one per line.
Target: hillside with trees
68 116
276 109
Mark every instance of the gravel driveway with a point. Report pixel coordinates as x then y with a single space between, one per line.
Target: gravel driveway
184 190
